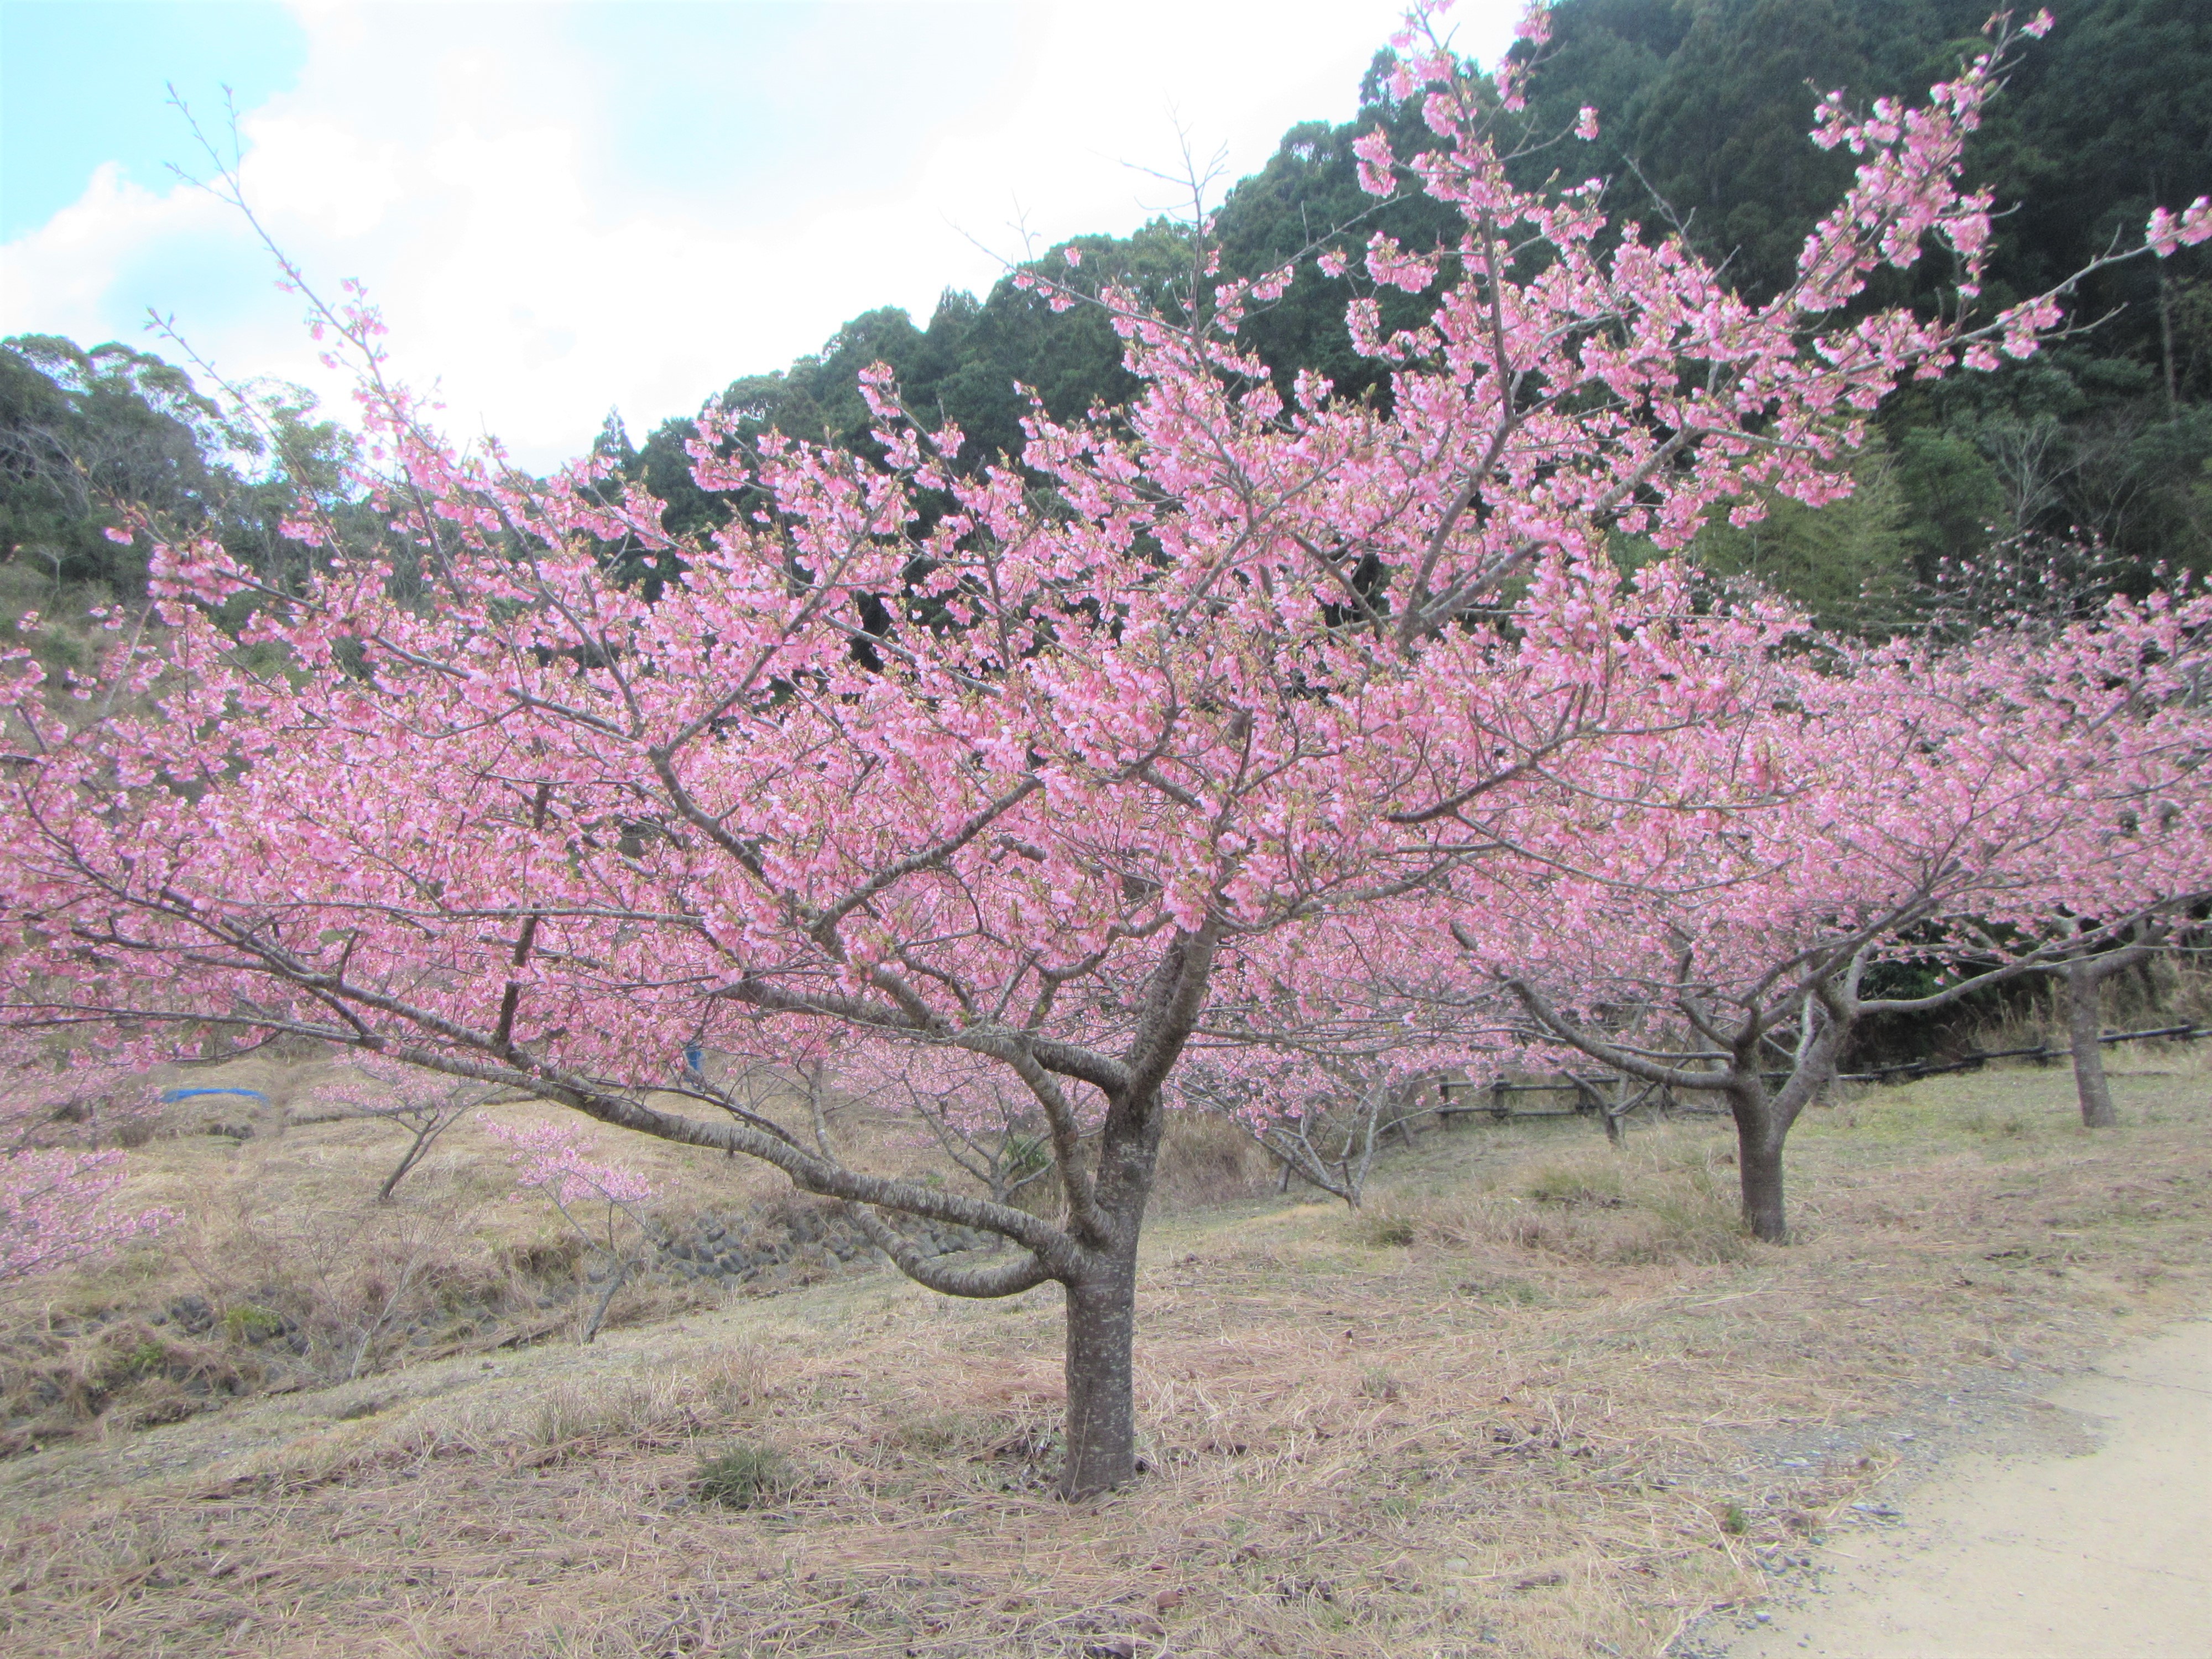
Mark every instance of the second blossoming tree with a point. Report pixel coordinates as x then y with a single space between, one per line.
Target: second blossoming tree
1715 913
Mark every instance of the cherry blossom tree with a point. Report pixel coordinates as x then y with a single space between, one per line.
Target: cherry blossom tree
599 1198
56 1197
1013 765
2082 973
1321 1115
1325 1039
1985 811
373 1091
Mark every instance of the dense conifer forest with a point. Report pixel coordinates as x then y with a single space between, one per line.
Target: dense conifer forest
2085 469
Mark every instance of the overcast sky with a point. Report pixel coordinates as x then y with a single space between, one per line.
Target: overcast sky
566 208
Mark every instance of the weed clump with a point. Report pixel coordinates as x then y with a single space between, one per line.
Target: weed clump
1381 1229
1513 1292
247 1323
745 1477
1378 1384
1576 1183
933 1434
118 1368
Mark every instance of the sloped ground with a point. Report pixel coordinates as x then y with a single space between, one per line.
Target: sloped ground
1540 1400
282 1271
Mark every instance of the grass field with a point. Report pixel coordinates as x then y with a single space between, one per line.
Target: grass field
1540 1398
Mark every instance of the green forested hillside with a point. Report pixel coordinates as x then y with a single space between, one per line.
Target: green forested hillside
2098 452
81 430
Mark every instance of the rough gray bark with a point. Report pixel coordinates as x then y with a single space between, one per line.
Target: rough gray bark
1102 1409
2085 978
1759 1142
2083 1027
1101 1296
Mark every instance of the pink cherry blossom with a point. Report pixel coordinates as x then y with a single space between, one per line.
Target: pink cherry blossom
57 1187
2168 235
550 1158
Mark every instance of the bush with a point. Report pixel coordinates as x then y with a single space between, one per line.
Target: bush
247 1323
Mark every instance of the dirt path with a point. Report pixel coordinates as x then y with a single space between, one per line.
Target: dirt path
2042 1555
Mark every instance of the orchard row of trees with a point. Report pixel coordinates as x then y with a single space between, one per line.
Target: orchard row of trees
1252 739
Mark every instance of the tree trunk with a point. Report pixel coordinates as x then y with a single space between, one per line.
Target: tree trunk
2083 1027
1101 1293
1101 1413
425 1134
2166 338
1759 1132
1759 1160
615 1278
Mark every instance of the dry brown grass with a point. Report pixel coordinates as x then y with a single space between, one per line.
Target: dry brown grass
1539 1400
282 1270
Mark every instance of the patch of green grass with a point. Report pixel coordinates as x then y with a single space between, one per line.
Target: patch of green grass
247 1323
745 1477
1384 1229
1592 1186
1693 1227
121 1366
934 1433
1514 1292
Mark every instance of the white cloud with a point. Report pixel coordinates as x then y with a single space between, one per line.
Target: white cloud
55 279
479 167
341 182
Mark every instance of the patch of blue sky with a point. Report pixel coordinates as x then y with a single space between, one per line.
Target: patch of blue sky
82 83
